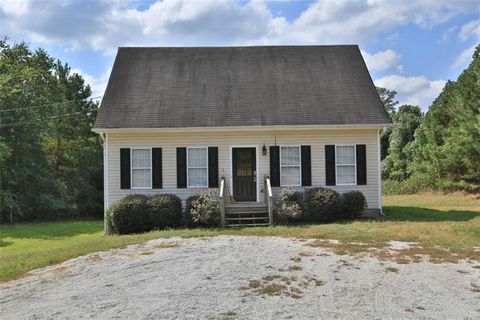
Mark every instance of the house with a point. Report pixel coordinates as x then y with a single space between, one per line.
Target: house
246 120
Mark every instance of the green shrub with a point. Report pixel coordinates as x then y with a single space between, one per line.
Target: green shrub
322 204
131 214
205 210
353 203
187 220
290 206
109 220
165 211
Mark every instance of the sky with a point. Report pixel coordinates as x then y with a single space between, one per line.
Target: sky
412 47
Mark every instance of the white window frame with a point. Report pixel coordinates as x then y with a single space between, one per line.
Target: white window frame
292 166
346 165
188 167
140 168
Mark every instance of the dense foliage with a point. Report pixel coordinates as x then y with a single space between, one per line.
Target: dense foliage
205 209
353 204
407 120
131 215
440 150
50 161
165 211
187 215
290 206
389 102
139 213
322 205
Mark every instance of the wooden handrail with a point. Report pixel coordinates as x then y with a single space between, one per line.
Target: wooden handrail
269 199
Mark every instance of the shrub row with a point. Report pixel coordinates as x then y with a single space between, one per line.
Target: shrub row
139 213
319 205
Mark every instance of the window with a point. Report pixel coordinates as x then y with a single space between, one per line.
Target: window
346 165
290 172
141 169
197 167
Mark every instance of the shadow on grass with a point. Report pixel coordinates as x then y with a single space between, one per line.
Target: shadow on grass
393 213
48 230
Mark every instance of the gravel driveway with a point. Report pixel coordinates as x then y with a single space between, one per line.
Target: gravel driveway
233 277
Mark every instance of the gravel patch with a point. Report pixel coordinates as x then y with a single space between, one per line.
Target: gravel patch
401 245
237 277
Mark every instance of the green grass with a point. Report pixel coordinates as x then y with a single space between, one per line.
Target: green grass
448 221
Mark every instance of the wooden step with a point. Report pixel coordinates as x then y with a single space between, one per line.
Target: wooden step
248 225
249 218
247 213
245 207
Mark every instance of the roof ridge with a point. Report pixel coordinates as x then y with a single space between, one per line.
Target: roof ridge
260 46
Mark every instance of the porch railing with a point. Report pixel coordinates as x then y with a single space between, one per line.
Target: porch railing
269 199
223 196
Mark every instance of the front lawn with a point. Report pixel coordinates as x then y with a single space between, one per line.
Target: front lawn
449 221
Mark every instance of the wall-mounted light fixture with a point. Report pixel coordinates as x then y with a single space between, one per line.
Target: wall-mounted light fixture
264 150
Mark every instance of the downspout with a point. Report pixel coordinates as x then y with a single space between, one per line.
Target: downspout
380 135
106 227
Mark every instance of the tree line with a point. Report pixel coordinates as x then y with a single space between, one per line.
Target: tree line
50 160
438 150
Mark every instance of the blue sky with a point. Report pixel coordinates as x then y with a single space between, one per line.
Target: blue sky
412 47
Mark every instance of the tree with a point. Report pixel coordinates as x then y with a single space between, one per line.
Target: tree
388 99
43 159
407 119
446 150
389 102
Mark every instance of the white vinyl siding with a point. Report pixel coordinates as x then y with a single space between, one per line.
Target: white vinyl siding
170 141
290 166
197 167
346 165
141 173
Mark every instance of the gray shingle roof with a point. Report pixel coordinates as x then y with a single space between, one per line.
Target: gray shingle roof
239 86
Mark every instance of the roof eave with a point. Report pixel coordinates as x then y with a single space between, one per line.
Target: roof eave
245 128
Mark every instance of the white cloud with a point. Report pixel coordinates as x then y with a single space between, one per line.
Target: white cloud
97 85
381 60
14 7
470 29
105 25
447 35
413 90
464 57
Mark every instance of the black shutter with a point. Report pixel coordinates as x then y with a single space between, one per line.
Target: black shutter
275 166
157 168
213 167
361 164
181 167
124 168
306 166
330 165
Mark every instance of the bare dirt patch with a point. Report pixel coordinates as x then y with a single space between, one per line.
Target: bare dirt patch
397 251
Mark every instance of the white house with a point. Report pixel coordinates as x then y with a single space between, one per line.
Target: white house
178 120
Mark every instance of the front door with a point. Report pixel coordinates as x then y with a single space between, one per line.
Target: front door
244 174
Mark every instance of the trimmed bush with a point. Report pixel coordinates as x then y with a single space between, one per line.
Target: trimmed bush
131 214
205 210
353 203
322 204
165 211
290 206
187 215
